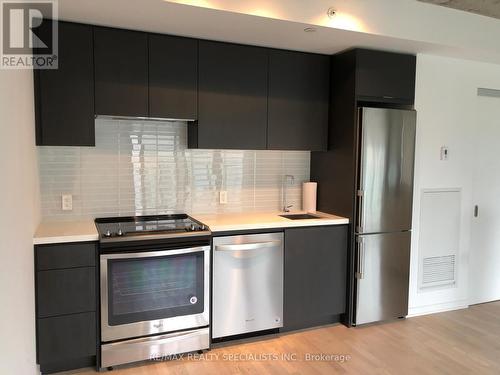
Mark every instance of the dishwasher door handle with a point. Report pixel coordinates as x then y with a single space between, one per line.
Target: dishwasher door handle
248 246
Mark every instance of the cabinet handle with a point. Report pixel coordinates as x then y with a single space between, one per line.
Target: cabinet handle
476 210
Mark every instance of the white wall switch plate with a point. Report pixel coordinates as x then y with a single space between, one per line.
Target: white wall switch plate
444 153
223 197
67 202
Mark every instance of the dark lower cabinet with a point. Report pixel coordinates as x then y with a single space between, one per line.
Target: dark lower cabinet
66 306
66 342
64 97
71 255
232 98
315 276
121 72
66 291
299 90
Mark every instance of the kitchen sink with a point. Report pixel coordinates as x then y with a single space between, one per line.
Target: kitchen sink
300 216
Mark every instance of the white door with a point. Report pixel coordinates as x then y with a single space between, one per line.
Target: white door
484 259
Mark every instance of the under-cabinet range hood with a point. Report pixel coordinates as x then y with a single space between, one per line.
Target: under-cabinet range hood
112 117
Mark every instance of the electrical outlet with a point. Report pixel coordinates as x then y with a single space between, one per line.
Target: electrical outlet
223 197
67 202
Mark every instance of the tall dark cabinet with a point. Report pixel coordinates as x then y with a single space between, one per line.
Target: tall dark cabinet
299 85
121 72
360 77
64 97
232 97
173 77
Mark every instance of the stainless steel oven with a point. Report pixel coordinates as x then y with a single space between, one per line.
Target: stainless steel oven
154 292
154 287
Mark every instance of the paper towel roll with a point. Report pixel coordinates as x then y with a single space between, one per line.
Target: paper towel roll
309 196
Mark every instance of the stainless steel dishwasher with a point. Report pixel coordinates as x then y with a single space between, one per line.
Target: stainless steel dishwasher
247 284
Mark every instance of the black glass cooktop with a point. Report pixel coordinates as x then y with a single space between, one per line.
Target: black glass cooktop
176 224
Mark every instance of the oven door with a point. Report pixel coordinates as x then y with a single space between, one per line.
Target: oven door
154 292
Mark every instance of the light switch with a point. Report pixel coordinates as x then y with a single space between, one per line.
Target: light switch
223 197
444 153
67 202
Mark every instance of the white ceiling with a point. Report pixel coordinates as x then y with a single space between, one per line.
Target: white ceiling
234 26
179 19
489 8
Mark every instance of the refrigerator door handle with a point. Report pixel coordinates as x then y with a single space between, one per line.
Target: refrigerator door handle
360 273
359 227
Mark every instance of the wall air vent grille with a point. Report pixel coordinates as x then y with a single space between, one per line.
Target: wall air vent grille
438 271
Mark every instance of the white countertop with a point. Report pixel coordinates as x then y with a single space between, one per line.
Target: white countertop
65 231
264 220
85 230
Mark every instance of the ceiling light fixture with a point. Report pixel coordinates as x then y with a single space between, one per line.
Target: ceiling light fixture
331 12
310 29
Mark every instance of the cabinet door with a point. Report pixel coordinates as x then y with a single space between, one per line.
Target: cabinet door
173 77
232 96
385 77
121 72
299 86
64 97
315 275
65 291
64 340
65 255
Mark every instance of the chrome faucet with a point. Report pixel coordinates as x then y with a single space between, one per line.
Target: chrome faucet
288 179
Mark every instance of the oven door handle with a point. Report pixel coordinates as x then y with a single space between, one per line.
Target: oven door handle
247 246
159 253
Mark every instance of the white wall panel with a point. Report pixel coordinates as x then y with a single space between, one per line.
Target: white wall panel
446 95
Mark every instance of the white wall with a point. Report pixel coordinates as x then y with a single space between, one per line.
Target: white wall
446 94
19 216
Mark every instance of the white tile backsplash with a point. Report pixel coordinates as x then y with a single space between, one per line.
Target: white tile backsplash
144 167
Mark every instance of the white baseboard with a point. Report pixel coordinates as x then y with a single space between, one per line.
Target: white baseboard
437 308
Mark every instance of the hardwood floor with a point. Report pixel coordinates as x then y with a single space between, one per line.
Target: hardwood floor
458 342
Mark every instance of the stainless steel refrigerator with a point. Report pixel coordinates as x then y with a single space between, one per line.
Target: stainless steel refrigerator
384 211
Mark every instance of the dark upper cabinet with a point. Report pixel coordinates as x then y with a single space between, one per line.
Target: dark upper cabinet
385 76
173 77
315 275
299 85
121 72
232 98
242 97
64 97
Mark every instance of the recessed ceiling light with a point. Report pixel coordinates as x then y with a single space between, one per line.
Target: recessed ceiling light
310 29
331 12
